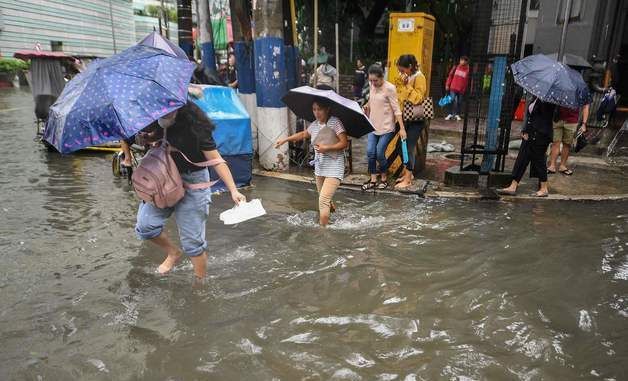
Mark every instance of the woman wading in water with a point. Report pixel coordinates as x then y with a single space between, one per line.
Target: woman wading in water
190 131
330 139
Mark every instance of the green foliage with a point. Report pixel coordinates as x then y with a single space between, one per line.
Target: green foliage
453 24
155 11
11 65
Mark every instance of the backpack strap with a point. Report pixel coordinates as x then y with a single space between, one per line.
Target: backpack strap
208 163
196 186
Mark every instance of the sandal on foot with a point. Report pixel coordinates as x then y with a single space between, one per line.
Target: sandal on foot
539 195
505 192
567 172
383 185
369 185
550 172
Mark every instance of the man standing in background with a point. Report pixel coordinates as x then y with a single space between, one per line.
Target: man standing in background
565 129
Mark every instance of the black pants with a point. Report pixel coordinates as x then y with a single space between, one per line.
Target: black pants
413 129
532 152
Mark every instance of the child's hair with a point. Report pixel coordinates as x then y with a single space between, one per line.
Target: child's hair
464 58
408 61
322 102
376 70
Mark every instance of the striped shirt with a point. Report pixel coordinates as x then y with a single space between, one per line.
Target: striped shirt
328 164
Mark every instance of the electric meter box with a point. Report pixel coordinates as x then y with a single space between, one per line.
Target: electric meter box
411 33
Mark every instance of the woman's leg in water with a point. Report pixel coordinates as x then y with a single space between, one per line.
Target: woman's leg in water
328 186
191 214
150 223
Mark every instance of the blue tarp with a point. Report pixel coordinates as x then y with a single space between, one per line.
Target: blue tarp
232 133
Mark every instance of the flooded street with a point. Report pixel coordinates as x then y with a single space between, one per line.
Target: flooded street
398 288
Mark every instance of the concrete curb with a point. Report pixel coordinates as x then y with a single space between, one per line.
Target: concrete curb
443 194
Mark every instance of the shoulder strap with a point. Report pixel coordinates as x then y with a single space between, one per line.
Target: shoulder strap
208 163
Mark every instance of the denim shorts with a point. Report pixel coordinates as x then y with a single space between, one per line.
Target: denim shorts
190 212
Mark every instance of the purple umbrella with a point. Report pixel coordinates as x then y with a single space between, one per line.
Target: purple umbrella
117 97
300 100
158 41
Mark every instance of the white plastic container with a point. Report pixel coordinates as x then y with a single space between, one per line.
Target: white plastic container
243 212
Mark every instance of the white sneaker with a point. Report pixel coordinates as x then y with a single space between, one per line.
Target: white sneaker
458 117
448 117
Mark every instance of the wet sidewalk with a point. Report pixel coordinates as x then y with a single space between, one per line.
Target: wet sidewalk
594 177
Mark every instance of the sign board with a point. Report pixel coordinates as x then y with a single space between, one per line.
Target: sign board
405 25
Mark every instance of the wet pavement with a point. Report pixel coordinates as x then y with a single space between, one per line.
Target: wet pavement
594 175
398 288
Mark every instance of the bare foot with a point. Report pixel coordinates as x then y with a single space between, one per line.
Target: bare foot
167 265
404 184
127 163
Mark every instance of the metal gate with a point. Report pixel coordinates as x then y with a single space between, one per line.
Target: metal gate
492 95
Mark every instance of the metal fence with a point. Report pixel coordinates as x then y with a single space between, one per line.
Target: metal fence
492 95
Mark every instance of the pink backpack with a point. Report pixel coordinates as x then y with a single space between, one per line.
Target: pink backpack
157 180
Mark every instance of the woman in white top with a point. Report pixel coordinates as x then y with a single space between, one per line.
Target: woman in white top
329 162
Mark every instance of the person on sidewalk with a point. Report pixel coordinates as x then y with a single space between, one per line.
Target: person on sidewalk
456 84
411 87
231 76
326 74
564 131
536 135
330 139
359 79
383 110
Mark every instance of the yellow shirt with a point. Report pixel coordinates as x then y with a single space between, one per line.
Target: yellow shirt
413 91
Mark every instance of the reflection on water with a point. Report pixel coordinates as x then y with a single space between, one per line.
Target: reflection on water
395 289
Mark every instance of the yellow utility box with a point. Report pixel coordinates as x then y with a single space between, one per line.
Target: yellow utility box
411 33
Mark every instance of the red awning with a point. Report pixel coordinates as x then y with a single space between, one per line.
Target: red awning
28 54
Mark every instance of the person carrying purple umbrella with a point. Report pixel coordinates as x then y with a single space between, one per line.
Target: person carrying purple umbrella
329 139
536 137
553 85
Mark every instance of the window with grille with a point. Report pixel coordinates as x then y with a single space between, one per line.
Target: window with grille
576 11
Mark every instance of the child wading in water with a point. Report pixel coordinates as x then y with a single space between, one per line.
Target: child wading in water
329 139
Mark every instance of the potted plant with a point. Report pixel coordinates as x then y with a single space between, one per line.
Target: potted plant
9 70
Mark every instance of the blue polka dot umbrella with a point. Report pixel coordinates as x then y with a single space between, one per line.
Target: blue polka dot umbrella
117 97
551 81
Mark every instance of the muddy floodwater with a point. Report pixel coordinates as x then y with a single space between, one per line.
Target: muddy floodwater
398 288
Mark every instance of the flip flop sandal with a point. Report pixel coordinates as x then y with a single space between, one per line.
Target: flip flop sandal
400 179
369 185
506 192
539 195
549 172
567 172
382 186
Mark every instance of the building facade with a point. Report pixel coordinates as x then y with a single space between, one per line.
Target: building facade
88 28
595 32
81 28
